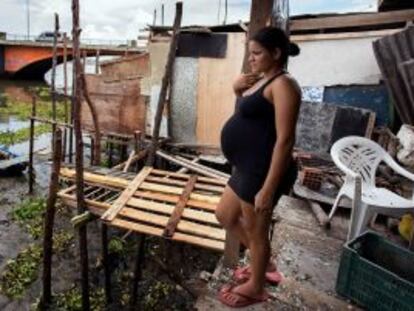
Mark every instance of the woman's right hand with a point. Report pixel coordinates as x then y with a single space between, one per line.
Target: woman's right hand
244 82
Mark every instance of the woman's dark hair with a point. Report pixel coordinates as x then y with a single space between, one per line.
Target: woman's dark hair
272 37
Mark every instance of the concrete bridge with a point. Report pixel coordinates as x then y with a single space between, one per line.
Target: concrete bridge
31 59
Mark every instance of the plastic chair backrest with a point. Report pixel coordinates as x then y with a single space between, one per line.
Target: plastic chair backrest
359 154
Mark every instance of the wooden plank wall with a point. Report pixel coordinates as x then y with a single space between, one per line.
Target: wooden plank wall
215 97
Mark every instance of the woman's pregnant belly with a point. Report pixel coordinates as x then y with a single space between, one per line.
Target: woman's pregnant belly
247 143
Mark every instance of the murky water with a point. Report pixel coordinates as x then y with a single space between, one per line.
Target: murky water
18 91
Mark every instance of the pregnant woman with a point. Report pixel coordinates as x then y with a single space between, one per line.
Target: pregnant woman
258 141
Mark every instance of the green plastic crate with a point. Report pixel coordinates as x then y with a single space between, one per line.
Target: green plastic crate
377 274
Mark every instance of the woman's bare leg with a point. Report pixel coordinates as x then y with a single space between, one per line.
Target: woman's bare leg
257 229
229 213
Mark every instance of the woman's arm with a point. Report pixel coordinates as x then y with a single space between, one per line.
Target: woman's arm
286 98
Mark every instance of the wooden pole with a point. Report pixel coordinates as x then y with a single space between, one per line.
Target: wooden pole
72 104
226 6
65 91
82 230
164 84
31 146
53 79
137 271
49 220
84 61
154 21
162 14
260 16
105 259
97 62
96 146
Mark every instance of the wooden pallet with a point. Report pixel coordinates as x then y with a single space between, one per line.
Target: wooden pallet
176 206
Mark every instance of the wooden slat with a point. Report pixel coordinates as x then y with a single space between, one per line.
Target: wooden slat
344 35
176 190
354 20
168 209
174 199
196 200
211 244
184 176
146 229
179 207
183 183
126 195
185 226
95 178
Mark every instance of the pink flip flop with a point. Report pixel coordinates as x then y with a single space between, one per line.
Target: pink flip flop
242 274
237 300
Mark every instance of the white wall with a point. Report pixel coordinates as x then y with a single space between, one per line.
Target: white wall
335 62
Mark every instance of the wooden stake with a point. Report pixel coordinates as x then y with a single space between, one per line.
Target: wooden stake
260 15
97 62
97 141
162 14
105 259
79 155
65 91
49 220
31 146
53 79
137 271
154 21
164 84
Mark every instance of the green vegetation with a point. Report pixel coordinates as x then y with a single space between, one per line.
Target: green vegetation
29 214
156 294
21 272
117 245
10 138
72 300
23 111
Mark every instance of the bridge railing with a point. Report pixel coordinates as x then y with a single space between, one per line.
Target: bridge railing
84 41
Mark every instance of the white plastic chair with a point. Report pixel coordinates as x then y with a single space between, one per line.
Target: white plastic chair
358 158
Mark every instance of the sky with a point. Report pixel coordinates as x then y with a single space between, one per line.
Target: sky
123 19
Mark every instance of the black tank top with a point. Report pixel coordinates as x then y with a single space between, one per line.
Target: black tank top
249 136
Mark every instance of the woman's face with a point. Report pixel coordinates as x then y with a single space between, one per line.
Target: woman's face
261 59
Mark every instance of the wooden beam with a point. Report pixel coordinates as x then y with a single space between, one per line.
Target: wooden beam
196 200
183 183
80 200
168 209
126 195
151 230
201 179
260 16
354 20
179 207
343 35
46 299
165 83
174 199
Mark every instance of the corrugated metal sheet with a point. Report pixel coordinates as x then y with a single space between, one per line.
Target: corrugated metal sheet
390 52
